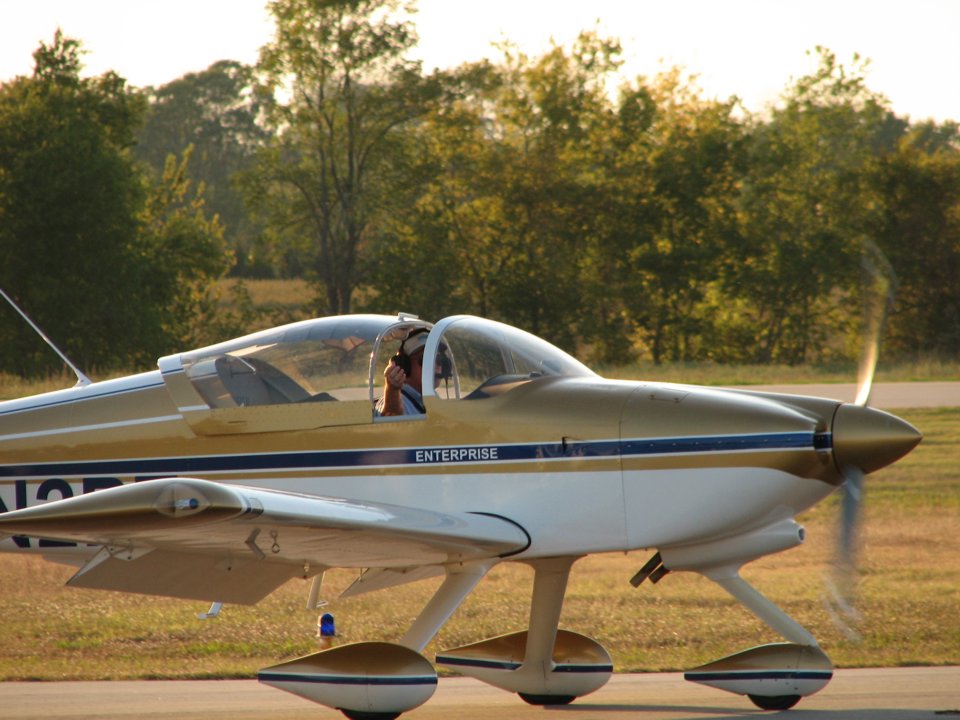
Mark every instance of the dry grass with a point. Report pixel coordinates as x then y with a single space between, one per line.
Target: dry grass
910 588
278 292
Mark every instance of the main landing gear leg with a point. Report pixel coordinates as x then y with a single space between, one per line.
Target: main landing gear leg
460 581
543 665
549 587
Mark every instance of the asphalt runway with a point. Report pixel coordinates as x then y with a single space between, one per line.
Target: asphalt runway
862 694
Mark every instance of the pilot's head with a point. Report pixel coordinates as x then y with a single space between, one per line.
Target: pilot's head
412 350
415 342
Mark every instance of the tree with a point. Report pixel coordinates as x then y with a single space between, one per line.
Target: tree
919 184
182 251
215 112
553 116
672 187
503 217
68 204
805 208
79 253
343 94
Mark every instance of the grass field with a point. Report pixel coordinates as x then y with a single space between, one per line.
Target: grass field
910 595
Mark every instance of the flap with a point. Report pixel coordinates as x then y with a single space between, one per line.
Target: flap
192 576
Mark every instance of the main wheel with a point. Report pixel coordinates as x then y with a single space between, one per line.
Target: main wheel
774 702
363 715
547 699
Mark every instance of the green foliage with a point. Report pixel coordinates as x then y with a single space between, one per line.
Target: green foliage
502 216
68 205
182 250
649 224
216 113
919 183
341 96
675 185
105 263
806 205
665 225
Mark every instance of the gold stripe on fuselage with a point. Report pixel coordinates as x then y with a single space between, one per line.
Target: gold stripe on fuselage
135 420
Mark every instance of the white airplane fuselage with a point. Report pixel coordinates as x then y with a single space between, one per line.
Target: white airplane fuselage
583 465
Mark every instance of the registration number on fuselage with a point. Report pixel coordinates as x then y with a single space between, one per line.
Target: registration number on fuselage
19 494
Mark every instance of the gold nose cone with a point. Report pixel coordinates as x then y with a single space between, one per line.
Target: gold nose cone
870 439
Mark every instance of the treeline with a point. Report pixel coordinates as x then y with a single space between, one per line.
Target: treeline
112 264
643 220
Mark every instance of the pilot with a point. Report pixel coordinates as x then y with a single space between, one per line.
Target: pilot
403 378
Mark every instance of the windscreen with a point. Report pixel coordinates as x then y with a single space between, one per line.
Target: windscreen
488 357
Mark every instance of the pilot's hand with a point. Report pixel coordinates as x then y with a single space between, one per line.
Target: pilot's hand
394 375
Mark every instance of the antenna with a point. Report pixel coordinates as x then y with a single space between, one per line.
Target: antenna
81 378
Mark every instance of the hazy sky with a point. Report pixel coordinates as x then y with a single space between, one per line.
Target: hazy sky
749 48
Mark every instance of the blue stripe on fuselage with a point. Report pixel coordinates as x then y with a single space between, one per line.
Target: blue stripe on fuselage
422 456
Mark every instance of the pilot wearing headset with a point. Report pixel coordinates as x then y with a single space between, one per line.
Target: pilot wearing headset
403 378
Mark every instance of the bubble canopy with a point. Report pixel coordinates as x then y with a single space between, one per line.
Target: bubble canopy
341 359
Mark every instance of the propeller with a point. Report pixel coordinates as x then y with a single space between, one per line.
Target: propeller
878 288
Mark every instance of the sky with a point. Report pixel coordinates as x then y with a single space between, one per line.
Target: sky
748 48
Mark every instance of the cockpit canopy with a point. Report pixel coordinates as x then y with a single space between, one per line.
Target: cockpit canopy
488 358
341 359
322 360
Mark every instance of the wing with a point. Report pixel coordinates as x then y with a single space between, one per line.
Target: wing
197 539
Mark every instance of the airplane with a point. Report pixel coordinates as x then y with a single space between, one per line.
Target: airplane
233 468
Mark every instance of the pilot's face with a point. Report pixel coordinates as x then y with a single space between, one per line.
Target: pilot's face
416 371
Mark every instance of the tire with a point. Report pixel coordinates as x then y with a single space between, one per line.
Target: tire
362 715
774 702
547 699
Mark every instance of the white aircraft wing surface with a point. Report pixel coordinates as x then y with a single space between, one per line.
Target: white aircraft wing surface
197 539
